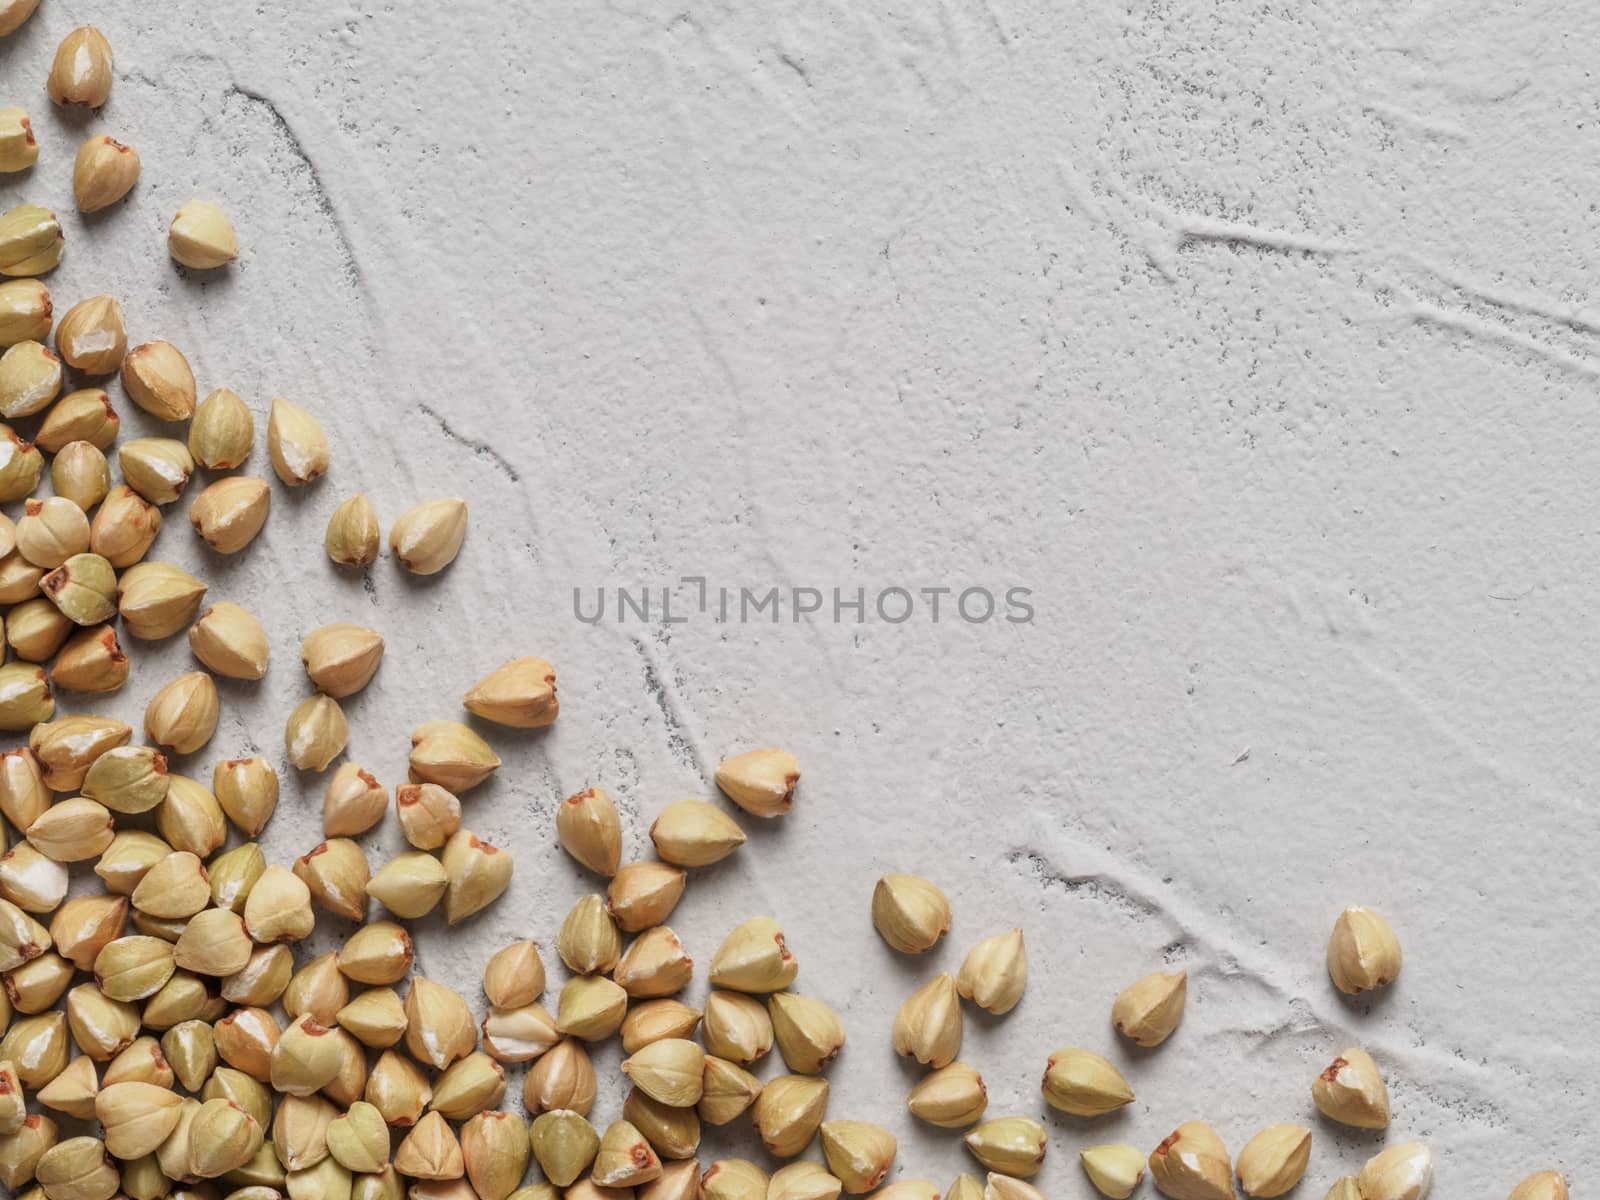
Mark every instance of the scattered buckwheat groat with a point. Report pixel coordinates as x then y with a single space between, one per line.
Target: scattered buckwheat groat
591 831
952 1097
1352 1092
124 528
476 874
25 698
1084 1084
84 415
353 803
1542 1185
20 468
1192 1164
158 378
563 1144
30 241
427 538
230 513
1403 1172
910 913
409 885
1003 1187
201 237
83 589
1009 1145
14 14
643 894
908 1189
728 1092
1115 1170
25 316
428 814
19 150
655 966
679 1181
91 661
104 172
247 791
761 782
81 474
230 641
155 599
808 1032
157 468
52 531
733 1179
341 659
1150 1009
670 1071
754 958
450 755
316 733
803 1180
521 694
1363 952
91 338
352 537
81 73
789 1112
35 629
692 833
737 1027
928 1026
859 1153
664 1017
222 431
296 444
589 942
514 976
337 873
994 972
1273 1161
30 378
182 716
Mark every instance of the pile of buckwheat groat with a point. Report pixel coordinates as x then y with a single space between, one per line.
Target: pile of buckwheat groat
165 1012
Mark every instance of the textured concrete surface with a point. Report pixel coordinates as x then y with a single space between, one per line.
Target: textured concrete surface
1259 342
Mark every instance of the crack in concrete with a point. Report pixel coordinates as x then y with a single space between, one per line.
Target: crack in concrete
350 266
1189 228
678 741
481 448
1092 885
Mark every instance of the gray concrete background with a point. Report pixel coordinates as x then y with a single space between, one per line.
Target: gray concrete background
1259 341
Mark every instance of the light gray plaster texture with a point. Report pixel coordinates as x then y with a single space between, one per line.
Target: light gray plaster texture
1259 341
